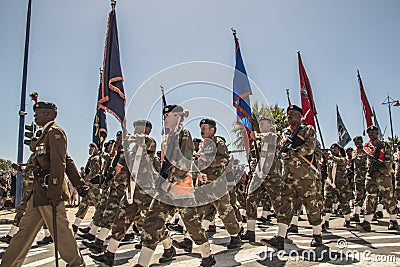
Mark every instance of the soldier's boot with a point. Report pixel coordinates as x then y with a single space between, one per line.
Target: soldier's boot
265 220
84 230
168 255
346 224
244 219
96 246
393 225
235 242
324 228
106 257
212 229
293 229
175 227
87 236
379 214
138 265
249 235
208 262
327 224
6 239
276 242
128 237
75 228
186 244
355 218
45 241
317 241
366 226
375 217
139 245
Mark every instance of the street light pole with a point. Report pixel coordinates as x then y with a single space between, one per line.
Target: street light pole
390 101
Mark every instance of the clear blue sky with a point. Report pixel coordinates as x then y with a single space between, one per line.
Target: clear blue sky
67 40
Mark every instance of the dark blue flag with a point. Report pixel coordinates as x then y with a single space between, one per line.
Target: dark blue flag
241 93
112 95
344 136
99 127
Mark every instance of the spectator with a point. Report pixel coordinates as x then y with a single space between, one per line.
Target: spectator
3 188
13 186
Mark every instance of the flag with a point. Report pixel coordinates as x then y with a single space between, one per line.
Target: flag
344 136
164 104
365 104
241 99
307 101
380 135
112 94
99 128
164 101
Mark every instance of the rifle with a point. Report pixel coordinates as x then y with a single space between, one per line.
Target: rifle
375 163
289 142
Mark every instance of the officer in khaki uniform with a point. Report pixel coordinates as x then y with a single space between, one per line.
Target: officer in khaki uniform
50 165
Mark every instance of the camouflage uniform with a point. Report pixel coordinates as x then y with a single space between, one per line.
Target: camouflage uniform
360 171
338 186
300 175
94 191
396 158
379 180
214 171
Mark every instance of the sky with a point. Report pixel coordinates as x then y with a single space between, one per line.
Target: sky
66 51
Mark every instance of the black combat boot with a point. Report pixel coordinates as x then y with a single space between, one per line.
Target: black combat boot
106 257
96 246
168 255
128 237
84 230
139 245
249 235
265 220
175 227
346 224
6 239
211 229
317 241
366 226
293 229
393 225
74 228
379 214
45 241
235 242
186 244
276 242
208 262
355 218
88 236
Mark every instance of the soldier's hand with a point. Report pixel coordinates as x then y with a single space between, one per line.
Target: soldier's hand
82 190
16 167
202 177
285 155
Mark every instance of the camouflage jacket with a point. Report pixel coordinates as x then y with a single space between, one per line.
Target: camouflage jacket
214 158
385 156
338 176
360 163
396 158
94 168
268 144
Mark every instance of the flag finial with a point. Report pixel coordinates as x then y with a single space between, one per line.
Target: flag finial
113 4
233 31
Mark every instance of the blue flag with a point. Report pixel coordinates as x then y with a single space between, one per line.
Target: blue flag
112 94
241 93
344 136
99 128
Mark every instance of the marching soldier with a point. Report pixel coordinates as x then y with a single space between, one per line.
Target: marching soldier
396 158
50 165
177 189
300 174
360 171
378 180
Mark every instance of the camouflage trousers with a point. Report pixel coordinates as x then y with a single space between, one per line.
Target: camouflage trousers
89 200
117 191
359 191
154 224
379 185
226 213
22 206
299 188
343 194
397 188
271 188
101 204
212 211
129 213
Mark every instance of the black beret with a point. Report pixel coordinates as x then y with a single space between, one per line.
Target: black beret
119 133
335 145
265 119
294 107
143 123
172 108
209 122
197 140
349 148
372 127
357 138
46 105
93 145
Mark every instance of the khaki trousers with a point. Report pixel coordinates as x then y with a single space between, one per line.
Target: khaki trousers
30 225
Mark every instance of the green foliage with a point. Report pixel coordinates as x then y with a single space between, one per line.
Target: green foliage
275 112
5 165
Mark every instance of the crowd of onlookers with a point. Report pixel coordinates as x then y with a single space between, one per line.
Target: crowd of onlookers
7 189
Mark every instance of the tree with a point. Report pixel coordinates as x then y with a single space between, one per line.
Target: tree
396 140
5 165
275 112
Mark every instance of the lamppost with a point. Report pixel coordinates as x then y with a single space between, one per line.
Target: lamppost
391 102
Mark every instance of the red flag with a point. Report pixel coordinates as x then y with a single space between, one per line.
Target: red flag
307 101
366 107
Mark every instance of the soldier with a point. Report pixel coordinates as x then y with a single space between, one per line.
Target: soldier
92 178
378 180
300 174
350 170
50 161
270 170
130 212
360 171
337 184
396 157
176 186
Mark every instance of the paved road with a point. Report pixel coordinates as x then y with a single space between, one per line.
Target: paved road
342 246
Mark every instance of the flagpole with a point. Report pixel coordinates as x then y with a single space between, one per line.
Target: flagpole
288 97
